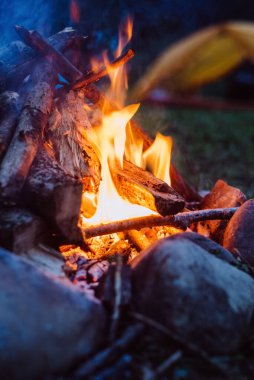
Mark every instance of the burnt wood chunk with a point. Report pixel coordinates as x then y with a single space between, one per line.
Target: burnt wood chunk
67 133
55 195
19 229
8 118
239 236
141 187
24 144
221 196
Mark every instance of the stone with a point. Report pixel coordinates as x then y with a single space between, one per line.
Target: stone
239 236
208 245
46 324
205 301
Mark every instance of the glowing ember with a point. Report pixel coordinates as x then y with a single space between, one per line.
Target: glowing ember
110 143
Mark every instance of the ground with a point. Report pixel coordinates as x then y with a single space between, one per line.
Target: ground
208 145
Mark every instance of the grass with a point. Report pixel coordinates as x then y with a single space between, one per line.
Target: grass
208 145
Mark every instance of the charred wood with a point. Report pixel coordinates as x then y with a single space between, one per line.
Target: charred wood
67 134
141 187
55 195
24 144
8 118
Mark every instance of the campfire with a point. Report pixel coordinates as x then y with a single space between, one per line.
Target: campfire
89 198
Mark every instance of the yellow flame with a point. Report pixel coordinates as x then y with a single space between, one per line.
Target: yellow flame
110 143
157 158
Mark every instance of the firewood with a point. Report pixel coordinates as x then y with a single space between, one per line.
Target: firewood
8 118
19 229
181 221
18 59
37 42
141 187
55 195
67 134
23 147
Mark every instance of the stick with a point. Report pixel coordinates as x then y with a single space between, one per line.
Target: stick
93 76
166 364
109 354
117 298
172 335
181 221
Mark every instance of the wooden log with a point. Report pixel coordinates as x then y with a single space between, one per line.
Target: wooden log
181 221
8 118
19 229
67 132
141 187
18 59
37 42
23 147
54 195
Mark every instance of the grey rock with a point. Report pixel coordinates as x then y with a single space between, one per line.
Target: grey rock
239 235
46 324
207 244
204 300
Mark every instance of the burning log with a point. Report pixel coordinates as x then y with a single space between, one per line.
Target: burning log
141 187
8 112
23 147
181 221
67 135
55 195
19 59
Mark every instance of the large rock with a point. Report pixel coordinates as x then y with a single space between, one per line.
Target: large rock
204 300
208 245
239 236
45 324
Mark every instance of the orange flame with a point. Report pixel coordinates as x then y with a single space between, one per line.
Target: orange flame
110 143
74 11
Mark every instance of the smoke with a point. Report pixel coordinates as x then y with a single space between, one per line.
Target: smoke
33 14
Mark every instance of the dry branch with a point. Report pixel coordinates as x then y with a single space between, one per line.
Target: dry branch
93 76
181 221
110 353
23 147
143 188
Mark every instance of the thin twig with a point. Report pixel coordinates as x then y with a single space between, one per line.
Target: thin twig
181 221
109 354
172 335
165 365
93 76
117 298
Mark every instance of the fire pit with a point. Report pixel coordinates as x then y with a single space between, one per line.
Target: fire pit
114 245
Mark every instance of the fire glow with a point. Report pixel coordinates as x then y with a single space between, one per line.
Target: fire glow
113 142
